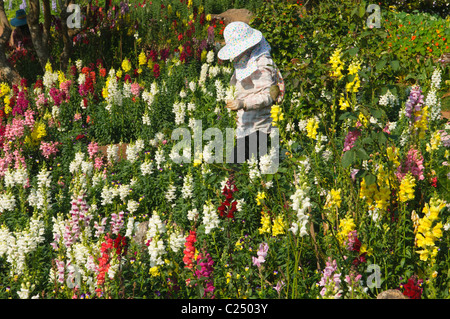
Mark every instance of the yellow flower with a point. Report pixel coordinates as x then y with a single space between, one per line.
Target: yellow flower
363 119
48 68
4 89
311 128
7 104
265 223
208 17
421 125
346 225
435 141
276 114
336 64
365 250
154 271
392 153
119 73
126 65
333 199
343 103
407 185
38 132
260 197
142 58
278 227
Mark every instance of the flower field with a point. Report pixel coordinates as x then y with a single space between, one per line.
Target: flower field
97 199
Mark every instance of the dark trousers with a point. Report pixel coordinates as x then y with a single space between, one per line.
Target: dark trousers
256 144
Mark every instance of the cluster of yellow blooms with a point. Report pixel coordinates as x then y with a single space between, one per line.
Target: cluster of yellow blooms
311 128
421 125
333 199
377 195
355 84
276 114
346 225
276 227
429 229
407 185
4 92
435 141
337 66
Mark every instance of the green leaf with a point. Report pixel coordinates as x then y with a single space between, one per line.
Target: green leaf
361 154
353 51
348 158
380 65
370 179
376 113
395 65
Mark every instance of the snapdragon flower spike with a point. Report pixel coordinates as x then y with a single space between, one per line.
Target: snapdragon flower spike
414 103
229 206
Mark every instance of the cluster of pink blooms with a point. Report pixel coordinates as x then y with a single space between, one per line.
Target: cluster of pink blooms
29 118
330 280
205 272
414 103
412 164
116 222
15 129
49 149
262 253
350 139
135 89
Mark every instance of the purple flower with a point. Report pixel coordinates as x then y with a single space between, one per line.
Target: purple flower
414 103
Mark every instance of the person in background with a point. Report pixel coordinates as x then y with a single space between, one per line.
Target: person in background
21 36
255 78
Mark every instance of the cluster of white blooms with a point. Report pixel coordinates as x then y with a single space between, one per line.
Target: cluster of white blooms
146 167
146 119
7 202
126 90
108 194
156 247
253 170
81 79
132 206
114 95
220 91
25 290
214 71
170 195
159 157
210 57
49 78
432 101
40 198
267 162
188 186
79 164
210 217
183 93
203 74
388 99
17 177
179 109
176 240
192 86
15 246
112 153
300 203
320 144
192 214
300 199
149 97
207 153
133 150
230 93
131 227
79 64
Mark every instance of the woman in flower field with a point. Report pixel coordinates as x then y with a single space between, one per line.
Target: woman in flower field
255 79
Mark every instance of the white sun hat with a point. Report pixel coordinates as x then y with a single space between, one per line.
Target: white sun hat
239 36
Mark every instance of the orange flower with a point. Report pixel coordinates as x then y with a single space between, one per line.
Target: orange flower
413 37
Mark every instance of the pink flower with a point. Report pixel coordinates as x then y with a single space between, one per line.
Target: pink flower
77 117
413 164
49 149
262 253
135 89
350 139
92 149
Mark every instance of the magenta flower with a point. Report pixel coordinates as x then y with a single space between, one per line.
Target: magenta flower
350 139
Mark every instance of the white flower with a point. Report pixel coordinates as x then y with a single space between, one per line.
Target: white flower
210 217
132 206
179 111
146 167
210 57
188 187
170 195
146 119
112 153
176 241
220 90
192 86
183 94
131 227
192 214
159 157
436 79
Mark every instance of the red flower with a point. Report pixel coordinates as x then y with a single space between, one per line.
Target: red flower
79 137
412 288
434 182
156 70
103 72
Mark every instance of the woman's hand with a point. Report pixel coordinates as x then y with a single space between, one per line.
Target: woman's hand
235 105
